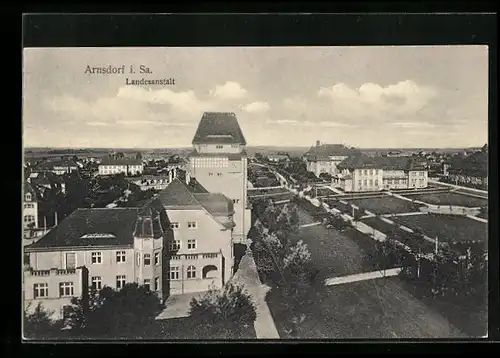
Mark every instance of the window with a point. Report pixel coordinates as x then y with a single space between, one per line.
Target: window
120 281
97 257
157 258
173 273
174 225
191 244
210 174
365 172
376 172
371 182
421 174
66 289
27 197
219 146
365 182
29 218
191 224
191 272
157 283
209 256
376 182
147 284
147 259
191 257
371 171
175 245
120 256
29 206
175 257
40 290
236 201
70 260
359 183
96 282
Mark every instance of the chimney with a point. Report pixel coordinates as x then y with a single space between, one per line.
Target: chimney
170 176
188 178
175 173
55 219
317 143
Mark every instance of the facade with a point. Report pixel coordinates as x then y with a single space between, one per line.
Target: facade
115 246
362 173
30 207
59 167
200 249
219 163
325 158
110 166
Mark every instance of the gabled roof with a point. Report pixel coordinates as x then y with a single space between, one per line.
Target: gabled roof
325 151
92 227
125 161
178 195
397 163
219 128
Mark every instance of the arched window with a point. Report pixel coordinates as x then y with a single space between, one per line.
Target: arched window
27 196
191 272
209 271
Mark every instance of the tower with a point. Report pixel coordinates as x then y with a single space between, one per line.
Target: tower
219 163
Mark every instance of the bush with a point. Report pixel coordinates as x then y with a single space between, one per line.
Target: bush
225 313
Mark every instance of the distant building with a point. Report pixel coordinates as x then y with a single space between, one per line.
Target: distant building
277 158
324 158
473 169
58 167
109 166
363 173
30 207
219 163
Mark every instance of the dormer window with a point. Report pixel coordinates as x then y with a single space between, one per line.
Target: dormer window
27 197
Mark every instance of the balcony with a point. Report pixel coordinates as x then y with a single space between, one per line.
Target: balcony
54 271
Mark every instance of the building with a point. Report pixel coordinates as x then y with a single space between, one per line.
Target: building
156 182
201 249
219 163
115 246
363 173
58 167
278 158
473 169
46 180
30 207
110 166
324 158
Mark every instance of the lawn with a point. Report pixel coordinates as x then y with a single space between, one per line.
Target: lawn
386 205
450 199
379 224
340 206
369 309
449 228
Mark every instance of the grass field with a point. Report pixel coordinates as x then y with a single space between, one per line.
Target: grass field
340 206
369 309
386 205
379 225
449 228
450 199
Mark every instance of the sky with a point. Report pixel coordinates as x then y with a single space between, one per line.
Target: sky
367 97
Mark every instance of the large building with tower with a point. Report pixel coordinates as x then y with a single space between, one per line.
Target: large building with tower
219 163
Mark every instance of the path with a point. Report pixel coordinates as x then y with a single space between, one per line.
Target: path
362 276
247 275
311 224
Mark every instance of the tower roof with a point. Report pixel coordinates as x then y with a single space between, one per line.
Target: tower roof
219 128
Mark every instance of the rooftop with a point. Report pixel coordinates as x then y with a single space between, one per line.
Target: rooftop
92 227
219 128
325 151
362 161
125 161
28 188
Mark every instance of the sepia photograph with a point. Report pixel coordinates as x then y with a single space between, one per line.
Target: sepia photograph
249 193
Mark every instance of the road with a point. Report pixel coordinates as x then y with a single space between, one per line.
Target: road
369 309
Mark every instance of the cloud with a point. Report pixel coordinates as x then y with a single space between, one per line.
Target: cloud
412 124
256 107
370 99
230 90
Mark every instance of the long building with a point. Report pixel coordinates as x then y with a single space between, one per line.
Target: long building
325 158
362 173
109 166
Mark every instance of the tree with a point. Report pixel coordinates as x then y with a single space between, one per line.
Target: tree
138 156
39 324
128 313
225 313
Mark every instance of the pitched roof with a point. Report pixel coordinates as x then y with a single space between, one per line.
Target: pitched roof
57 163
359 161
125 161
219 128
178 195
92 227
28 188
324 151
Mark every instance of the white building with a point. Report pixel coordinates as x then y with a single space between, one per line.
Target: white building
324 158
30 207
109 166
